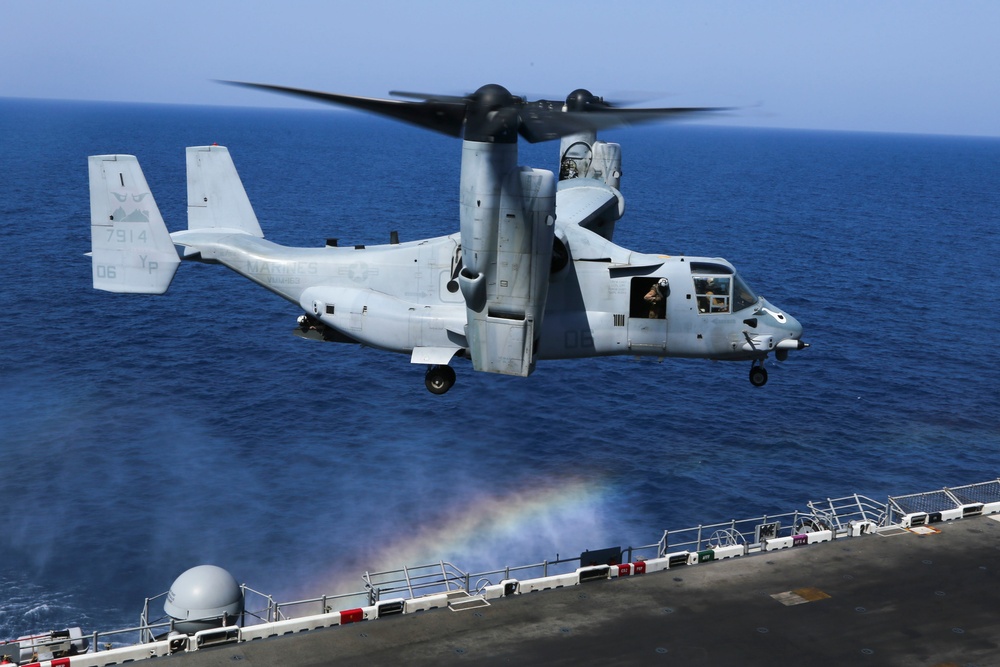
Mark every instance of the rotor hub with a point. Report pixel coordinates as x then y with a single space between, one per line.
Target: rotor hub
493 96
492 115
582 99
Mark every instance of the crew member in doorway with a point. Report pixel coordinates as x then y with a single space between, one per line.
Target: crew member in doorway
657 299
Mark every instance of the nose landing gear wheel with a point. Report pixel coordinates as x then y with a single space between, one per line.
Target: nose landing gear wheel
758 376
439 379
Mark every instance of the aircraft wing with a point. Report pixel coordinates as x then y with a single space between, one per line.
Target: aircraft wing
586 212
588 203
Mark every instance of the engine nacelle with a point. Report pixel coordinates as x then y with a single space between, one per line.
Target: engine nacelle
507 223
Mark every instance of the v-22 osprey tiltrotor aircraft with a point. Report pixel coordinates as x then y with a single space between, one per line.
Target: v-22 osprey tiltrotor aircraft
532 273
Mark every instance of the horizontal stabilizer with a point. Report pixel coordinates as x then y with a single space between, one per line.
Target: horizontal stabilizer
216 197
131 250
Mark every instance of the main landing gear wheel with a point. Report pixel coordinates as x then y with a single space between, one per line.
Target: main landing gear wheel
439 379
758 375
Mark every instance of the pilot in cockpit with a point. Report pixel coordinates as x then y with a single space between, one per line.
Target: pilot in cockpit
713 295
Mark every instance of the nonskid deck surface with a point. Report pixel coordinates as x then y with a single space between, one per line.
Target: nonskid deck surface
899 597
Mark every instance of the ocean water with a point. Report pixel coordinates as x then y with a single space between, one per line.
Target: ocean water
142 435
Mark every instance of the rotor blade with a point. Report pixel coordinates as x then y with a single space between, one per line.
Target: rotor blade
430 97
441 116
543 120
617 117
544 123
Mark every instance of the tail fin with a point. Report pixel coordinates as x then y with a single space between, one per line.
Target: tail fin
216 198
131 249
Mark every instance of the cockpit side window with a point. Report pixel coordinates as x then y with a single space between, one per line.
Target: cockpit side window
719 290
712 293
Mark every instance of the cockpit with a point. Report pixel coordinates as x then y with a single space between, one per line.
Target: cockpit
720 290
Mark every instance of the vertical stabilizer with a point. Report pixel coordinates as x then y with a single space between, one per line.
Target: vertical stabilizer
131 250
216 198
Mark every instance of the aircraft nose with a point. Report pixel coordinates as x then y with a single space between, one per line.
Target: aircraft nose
793 326
791 330
781 322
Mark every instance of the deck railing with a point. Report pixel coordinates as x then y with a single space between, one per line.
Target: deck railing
838 515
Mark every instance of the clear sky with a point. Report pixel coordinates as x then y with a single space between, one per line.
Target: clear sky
924 66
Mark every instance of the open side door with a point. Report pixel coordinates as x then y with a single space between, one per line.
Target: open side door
647 323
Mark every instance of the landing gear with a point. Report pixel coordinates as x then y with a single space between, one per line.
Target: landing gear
758 374
439 379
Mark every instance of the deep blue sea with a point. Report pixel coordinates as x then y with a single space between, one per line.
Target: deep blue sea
143 435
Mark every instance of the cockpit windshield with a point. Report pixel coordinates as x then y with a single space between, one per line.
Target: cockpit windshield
719 290
743 296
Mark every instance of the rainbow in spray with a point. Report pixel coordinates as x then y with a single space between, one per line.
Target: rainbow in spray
492 530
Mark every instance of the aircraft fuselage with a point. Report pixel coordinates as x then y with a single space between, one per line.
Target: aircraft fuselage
404 296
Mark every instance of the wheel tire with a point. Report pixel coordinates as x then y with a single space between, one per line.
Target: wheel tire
758 376
439 379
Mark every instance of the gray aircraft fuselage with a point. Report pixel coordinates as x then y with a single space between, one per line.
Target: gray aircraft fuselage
403 296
